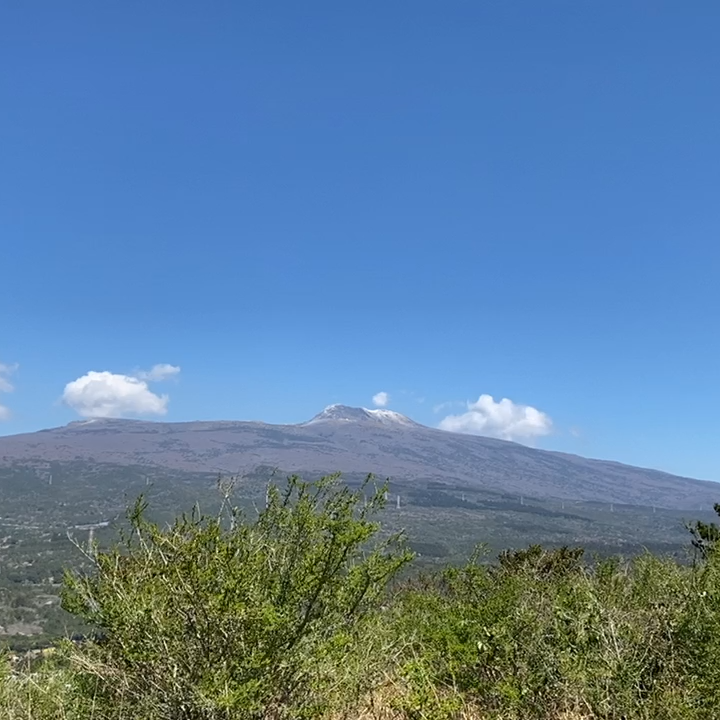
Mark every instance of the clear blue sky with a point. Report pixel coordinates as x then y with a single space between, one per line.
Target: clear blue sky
306 203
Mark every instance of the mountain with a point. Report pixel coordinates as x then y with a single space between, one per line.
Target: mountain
357 440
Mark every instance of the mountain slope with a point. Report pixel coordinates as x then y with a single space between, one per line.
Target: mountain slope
356 440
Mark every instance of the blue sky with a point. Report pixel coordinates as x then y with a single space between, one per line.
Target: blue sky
305 203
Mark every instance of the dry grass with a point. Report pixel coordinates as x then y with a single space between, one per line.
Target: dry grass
386 701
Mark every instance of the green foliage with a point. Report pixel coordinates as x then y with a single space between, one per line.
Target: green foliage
41 689
226 617
443 522
539 635
287 614
705 536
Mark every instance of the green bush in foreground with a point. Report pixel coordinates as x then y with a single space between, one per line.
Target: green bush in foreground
541 636
225 617
290 615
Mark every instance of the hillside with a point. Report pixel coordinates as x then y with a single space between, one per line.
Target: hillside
355 440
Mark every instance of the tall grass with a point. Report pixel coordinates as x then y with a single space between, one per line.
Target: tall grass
291 615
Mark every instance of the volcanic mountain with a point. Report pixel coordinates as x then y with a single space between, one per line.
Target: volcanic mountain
357 440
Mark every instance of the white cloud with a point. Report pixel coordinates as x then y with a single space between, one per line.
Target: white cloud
504 419
105 394
159 372
6 386
381 399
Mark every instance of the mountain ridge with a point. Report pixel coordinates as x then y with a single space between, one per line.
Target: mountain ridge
358 440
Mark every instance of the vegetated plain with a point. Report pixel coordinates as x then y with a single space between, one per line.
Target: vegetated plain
303 608
45 507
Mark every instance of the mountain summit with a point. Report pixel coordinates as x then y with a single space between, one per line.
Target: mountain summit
359 441
345 414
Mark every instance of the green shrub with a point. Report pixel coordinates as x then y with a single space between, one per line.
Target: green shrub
230 617
705 536
287 615
539 634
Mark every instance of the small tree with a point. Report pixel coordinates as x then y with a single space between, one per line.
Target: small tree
211 619
705 536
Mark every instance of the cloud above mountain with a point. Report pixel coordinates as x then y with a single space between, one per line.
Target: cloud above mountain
159 372
113 395
381 399
6 387
503 419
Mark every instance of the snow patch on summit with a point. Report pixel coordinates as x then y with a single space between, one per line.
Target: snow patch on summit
345 414
389 417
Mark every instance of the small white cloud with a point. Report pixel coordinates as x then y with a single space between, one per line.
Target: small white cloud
159 372
504 419
6 386
105 394
381 399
